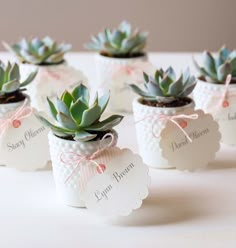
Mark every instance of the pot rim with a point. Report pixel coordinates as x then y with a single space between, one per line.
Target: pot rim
52 135
214 85
137 101
145 55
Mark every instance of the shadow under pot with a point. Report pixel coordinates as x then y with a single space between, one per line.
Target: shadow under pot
106 68
147 123
65 156
209 98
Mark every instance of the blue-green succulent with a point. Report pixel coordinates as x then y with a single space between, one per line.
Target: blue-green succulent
215 68
10 79
166 85
39 52
78 120
120 42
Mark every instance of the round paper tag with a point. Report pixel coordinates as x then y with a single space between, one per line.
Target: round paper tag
24 144
122 186
195 150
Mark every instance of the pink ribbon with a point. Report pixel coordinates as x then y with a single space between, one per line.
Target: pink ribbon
172 119
79 158
21 113
223 101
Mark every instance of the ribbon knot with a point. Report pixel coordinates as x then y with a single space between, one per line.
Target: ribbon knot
78 158
14 118
173 119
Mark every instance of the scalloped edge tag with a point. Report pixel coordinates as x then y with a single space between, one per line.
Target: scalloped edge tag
121 188
24 145
184 154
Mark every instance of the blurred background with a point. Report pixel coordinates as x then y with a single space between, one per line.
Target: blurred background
174 25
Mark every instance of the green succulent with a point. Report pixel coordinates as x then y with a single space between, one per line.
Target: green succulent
216 68
120 42
166 85
39 52
76 119
10 79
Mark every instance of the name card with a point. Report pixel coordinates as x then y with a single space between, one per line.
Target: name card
225 114
121 188
196 147
24 145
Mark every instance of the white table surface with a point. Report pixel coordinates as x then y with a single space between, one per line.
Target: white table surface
183 209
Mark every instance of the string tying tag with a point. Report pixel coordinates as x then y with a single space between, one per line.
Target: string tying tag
78 158
224 103
14 118
173 119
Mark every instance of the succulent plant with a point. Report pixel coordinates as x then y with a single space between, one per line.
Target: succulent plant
76 119
165 86
216 68
120 42
10 79
39 52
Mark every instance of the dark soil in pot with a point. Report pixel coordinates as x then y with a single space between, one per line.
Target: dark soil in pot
126 56
179 102
13 97
100 135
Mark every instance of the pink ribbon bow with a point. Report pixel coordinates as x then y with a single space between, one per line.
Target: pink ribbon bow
173 120
79 158
14 118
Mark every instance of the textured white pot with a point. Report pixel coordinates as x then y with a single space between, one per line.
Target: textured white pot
69 191
149 145
121 95
50 81
205 96
9 107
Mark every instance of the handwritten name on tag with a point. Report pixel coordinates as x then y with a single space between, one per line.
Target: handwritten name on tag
121 188
196 150
225 114
24 145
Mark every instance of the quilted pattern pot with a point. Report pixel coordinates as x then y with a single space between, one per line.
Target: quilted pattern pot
51 81
121 95
65 155
207 96
149 144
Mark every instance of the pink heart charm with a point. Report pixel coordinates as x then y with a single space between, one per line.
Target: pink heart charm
16 123
225 104
101 168
183 124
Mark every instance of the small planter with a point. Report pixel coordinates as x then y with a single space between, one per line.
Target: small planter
69 191
207 96
77 133
51 81
9 107
106 67
149 147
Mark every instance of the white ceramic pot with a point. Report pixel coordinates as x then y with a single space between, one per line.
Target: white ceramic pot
121 95
9 107
149 145
51 81
207 96
69 191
